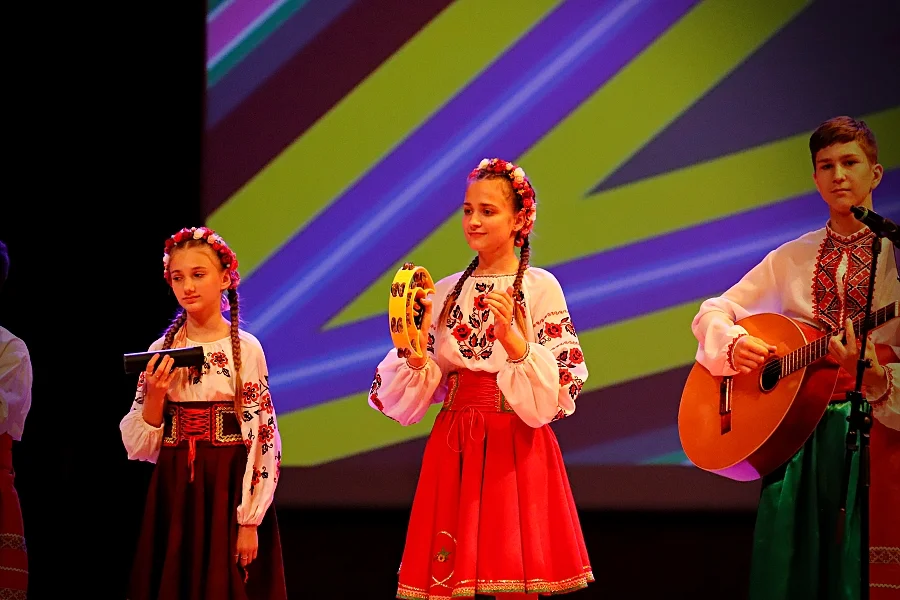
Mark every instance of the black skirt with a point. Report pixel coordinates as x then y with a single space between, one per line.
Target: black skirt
188 539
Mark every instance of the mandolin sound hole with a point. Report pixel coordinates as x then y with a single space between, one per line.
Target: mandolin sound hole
770 374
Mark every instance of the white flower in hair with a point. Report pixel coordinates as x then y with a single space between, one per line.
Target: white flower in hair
519 173
484 163
198 233
214 239
510 166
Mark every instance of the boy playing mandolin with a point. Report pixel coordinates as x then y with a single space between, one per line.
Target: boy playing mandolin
821 279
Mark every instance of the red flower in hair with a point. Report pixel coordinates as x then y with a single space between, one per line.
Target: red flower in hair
520 184
204 234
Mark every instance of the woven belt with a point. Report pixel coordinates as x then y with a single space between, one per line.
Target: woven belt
212 422
474 389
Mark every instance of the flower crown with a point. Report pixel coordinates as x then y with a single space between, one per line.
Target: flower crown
215 241
520 184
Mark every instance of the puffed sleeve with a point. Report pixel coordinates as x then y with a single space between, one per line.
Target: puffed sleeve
714 327
142 440
259 429
885 400
404 393
15 386
542 385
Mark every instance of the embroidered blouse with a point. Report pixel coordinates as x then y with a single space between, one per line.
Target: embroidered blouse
821 279
214 382
540 388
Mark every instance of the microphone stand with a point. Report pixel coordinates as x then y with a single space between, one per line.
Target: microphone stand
860 421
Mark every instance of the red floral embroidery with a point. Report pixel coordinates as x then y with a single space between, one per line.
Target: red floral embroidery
218 359
461 332
575 356
373 393
266 434
553 330
565 377
251 392
474 336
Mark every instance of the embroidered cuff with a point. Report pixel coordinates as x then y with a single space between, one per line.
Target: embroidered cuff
729 354
560 414
524 356
425 364
887 391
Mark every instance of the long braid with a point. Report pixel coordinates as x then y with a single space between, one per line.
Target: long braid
236 353
176 324
519 311
456 291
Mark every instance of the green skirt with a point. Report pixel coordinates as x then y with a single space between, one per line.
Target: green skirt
796 553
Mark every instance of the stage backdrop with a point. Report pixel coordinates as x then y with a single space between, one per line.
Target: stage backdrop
667 142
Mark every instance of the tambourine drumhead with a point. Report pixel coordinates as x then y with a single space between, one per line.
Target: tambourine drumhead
410 284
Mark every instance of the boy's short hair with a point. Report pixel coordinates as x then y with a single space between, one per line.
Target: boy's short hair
840 130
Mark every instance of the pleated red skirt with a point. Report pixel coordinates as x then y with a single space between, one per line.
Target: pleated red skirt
188 539
493 512
13 552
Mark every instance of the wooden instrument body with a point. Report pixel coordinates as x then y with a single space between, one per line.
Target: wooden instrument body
745 426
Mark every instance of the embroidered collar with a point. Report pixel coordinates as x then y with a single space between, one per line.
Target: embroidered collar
863 235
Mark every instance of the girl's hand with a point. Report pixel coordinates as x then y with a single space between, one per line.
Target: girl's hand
423 307
247 545
503 308
157 378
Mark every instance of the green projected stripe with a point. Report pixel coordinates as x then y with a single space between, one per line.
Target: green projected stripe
672 458
677 69
707 191
306 436
252 40
321 164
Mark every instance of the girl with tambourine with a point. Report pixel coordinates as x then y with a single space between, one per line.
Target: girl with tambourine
493 512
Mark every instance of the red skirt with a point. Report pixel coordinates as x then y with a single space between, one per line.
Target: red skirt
188 539
13 553
493 512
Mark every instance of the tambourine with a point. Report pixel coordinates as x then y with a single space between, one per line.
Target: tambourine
411 284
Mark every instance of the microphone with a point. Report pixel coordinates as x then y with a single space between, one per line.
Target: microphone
882 226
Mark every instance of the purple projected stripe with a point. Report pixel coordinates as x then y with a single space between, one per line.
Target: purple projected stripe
231 21
736 244
278 48
414 158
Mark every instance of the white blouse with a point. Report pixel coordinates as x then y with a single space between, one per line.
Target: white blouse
15 384
540 388
215 383
821 279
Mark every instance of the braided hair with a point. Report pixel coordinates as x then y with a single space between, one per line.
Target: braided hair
522 196
198 237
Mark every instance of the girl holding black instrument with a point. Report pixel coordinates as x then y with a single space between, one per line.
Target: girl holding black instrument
209 530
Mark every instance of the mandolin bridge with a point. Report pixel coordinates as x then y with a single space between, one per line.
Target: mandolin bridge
726 388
